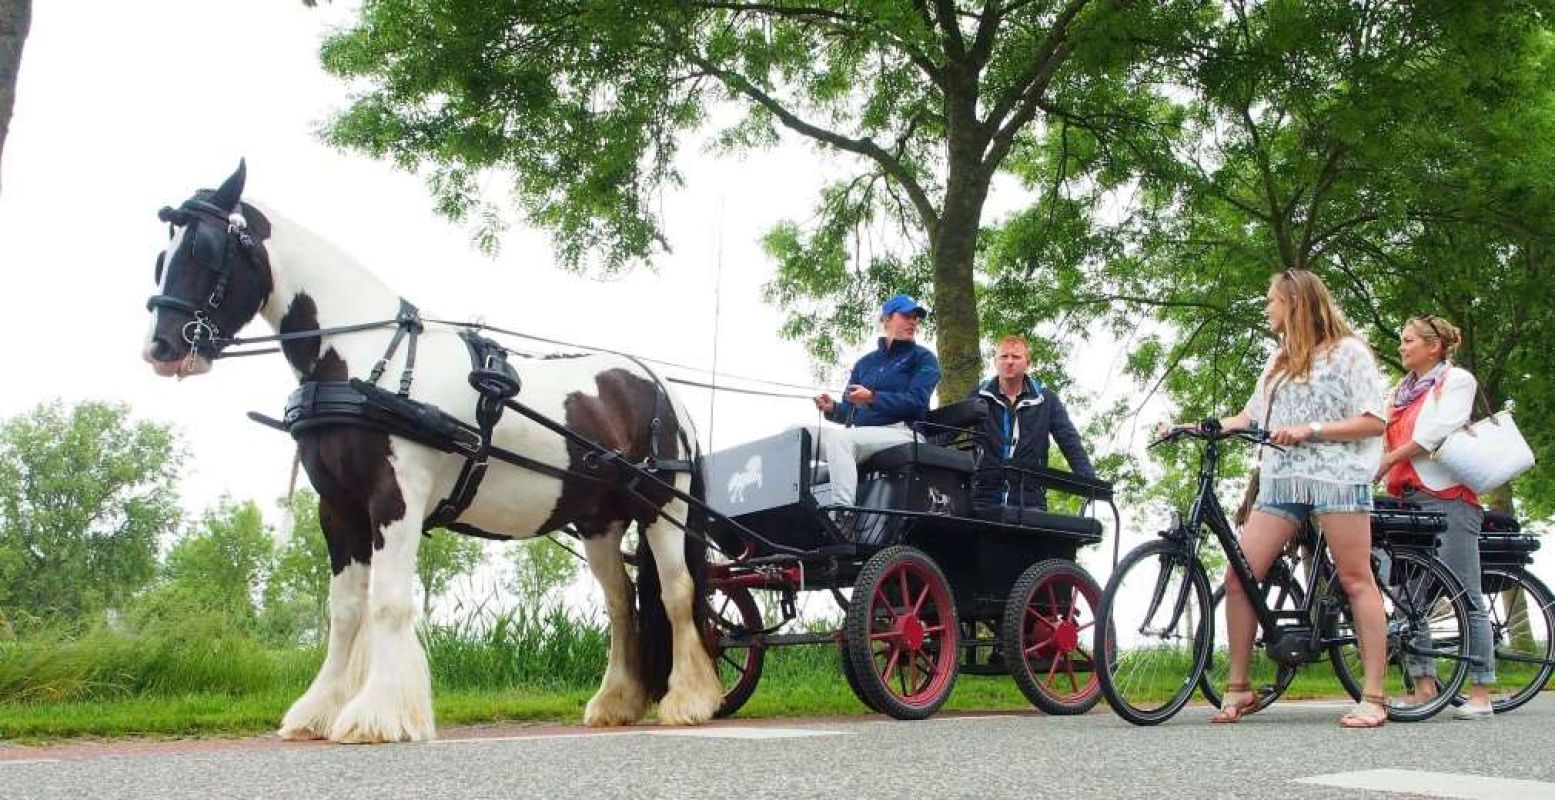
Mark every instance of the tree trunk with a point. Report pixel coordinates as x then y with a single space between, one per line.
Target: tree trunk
15 19
954 245
955 305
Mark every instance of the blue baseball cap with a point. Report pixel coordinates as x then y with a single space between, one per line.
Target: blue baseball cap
903 304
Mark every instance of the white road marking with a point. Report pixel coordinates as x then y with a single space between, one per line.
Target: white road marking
6 763
1437 784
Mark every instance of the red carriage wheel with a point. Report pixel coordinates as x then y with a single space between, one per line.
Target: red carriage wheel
901 634
733 615
1046 636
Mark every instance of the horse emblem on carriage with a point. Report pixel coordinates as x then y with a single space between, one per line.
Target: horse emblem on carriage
748 476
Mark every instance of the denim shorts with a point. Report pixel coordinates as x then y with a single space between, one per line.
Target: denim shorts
1358 502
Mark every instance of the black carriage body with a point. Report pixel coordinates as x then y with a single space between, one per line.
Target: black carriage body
916 494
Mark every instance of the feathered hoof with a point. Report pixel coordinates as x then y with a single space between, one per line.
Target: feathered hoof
618 705
684 707
309 718
377 717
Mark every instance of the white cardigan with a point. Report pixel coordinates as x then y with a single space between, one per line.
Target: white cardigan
1447 408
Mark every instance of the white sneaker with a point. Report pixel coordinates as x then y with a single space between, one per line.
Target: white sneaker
1468 711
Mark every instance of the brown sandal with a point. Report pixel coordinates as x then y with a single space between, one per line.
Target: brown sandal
1234 712
1371 712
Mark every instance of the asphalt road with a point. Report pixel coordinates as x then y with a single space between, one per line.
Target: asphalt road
1016 755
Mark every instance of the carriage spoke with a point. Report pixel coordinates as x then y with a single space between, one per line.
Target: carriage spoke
892 663
1074 683
917 606
884 603
1032 650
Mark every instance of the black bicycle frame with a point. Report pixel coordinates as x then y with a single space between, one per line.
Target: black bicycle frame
1207 512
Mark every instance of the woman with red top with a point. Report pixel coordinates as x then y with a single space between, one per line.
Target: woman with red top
1434 399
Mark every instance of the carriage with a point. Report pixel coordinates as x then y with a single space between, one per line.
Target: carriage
930 584
591 444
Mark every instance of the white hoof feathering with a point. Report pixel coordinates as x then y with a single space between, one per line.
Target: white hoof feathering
623 704
373 717
693 700
311 716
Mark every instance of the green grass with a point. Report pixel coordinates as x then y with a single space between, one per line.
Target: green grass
202 679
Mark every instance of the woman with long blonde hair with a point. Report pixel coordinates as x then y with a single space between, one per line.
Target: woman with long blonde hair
1320 394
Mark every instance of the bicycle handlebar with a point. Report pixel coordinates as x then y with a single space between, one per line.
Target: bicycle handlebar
1210 431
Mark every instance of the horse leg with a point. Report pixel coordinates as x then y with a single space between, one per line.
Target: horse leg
350 550
621 699
395 702
694 691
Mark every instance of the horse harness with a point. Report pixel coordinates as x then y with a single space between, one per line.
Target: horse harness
362 403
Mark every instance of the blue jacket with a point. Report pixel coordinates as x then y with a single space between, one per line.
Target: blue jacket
1021 434
902 379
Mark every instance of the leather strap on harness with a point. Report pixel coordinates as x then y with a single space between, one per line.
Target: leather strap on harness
496 382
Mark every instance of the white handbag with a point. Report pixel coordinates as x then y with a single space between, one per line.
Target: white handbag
1484 455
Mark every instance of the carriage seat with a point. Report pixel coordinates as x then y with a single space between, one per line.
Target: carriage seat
1037 518
919 454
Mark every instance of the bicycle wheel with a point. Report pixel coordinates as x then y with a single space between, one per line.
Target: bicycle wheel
1153 632
1522 620
1269 678
1427 622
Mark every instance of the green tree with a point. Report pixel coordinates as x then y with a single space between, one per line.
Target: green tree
541 569
85 494
296 596
586 103
224 560
15 20
1401 150
444 556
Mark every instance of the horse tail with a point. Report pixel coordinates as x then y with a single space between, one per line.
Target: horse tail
655 640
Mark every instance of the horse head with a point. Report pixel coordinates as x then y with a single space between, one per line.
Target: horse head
212 278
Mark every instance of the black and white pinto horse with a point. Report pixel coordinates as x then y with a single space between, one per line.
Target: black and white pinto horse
376 490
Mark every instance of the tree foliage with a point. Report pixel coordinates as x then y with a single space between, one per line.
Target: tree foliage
296 597
444 556
1403 151
541 570
586 102
224 561
86 492
1176 154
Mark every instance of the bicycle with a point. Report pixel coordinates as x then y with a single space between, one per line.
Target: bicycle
1155 652
1522 623
1520 607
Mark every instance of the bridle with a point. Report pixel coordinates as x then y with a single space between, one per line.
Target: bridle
213 250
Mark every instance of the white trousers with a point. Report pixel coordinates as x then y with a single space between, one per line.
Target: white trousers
843 449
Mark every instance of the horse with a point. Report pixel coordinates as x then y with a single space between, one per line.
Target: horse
229 260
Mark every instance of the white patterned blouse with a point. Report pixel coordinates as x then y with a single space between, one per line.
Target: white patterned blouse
1343 383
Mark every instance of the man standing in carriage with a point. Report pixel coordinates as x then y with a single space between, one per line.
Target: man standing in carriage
887 391
1023 418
